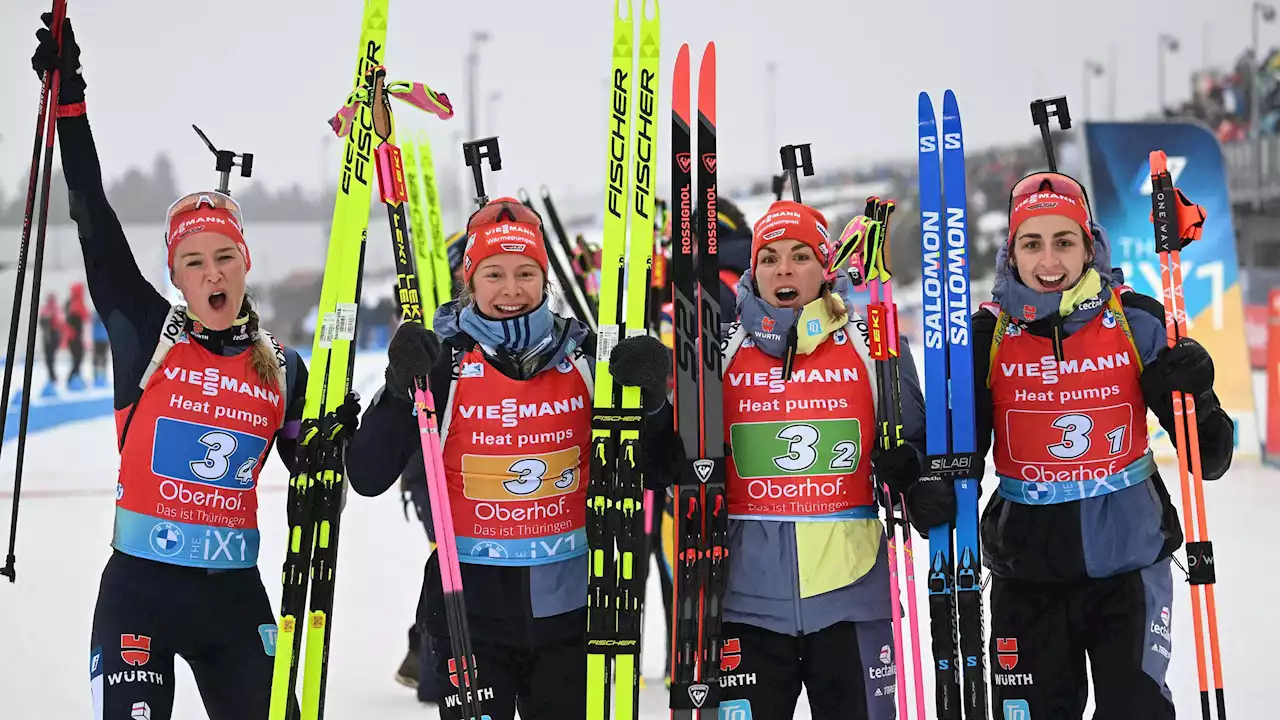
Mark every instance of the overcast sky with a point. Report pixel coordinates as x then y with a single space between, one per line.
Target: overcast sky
264 75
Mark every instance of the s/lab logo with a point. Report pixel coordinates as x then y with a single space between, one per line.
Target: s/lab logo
1017 710
1142 182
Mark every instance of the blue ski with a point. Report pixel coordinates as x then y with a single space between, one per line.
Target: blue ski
955 589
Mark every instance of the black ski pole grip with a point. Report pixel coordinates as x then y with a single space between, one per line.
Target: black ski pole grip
794 159
779 184
475 151
1041 110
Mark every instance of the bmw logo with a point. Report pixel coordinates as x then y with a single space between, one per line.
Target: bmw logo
166 539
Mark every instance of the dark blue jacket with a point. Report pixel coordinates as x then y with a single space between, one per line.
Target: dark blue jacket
1096 537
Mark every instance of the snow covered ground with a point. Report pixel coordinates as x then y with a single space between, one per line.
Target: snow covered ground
65 529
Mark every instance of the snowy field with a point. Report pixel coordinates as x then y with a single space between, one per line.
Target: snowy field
65 529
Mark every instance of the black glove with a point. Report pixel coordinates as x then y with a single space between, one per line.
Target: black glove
899 468
1187 367
46 58
344 421
412 353
644 362
931 503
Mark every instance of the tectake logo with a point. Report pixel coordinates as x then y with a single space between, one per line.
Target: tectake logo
1142 182
1017 710
886 655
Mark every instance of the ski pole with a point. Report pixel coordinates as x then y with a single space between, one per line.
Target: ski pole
44 136
394 195
1167 204
558 257
583 274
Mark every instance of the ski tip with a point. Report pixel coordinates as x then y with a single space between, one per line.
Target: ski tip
926 114
680 88
707 84
950 108
649 10
622 9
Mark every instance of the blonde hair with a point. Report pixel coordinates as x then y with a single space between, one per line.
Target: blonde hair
834 305
264 360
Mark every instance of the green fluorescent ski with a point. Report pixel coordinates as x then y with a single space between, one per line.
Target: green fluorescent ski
439 255
420 236
630 494
330 376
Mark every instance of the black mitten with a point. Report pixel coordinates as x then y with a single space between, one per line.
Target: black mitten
412 353
644 362
899 468
345 420
1186 367
930 503
71 84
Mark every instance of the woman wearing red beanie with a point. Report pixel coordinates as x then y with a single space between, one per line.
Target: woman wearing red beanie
516 474
808 602
201 394
1079 531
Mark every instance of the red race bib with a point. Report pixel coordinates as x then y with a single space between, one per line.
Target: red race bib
187 493
516 456
801 445
1080 418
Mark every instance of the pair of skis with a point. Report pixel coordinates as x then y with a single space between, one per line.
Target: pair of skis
315 490
701 509
616 530
954 582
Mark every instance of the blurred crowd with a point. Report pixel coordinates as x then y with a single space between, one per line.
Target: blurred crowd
1220 98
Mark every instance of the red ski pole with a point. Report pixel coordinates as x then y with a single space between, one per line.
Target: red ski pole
1177 222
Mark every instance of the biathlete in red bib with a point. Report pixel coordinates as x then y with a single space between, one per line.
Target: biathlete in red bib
201 395
513 383
1080 529
808 601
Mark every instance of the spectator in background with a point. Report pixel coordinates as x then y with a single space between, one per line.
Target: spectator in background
77 318
51 335
100 346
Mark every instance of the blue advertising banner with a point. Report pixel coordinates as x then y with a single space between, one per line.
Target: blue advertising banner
1120 193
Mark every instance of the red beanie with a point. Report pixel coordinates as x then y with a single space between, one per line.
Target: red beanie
790 220
205 219
1048 194
504 225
